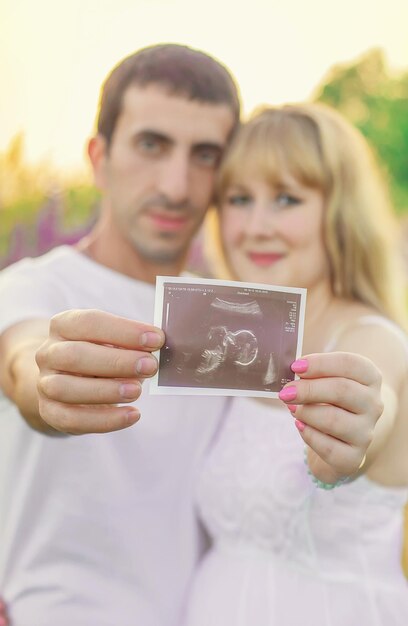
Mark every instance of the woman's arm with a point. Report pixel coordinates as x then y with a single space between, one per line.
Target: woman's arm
346 403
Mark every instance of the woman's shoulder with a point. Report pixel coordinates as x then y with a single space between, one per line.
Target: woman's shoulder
353 319
365 331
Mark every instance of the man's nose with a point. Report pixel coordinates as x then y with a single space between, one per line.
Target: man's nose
174 178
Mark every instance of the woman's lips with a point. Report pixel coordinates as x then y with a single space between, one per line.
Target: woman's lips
264 259
169 223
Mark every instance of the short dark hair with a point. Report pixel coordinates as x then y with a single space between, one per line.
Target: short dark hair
179 69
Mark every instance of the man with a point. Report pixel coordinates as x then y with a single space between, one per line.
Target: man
101 530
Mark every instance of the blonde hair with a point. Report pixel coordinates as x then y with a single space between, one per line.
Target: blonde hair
320 149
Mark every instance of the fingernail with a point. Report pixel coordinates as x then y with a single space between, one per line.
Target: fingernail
300 366
128 390
300 425
132 416
151 340
292 407
287 394
146 365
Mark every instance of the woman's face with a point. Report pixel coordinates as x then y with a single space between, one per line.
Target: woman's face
274 234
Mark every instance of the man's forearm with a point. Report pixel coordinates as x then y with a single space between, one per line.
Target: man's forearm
19 371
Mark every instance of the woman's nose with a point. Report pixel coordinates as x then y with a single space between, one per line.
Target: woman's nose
260 221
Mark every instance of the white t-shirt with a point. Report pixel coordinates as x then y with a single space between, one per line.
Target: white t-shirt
97 530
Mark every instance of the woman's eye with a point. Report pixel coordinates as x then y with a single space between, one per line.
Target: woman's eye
238 199
285 199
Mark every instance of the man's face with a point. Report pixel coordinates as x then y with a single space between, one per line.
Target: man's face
157 175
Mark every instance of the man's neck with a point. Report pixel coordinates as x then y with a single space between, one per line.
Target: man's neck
124 259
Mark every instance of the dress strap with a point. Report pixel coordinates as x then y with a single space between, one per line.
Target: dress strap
365 320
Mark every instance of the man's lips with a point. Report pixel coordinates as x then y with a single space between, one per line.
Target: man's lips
171 223
264 259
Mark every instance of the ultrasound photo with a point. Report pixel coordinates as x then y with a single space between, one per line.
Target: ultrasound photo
226 338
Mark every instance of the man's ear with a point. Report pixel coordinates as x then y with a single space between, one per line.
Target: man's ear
98 152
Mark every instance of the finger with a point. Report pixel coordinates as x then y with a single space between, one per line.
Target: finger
338 364
82 419
3 614
340 456
337 423
82 390
89 359
341 392
101 327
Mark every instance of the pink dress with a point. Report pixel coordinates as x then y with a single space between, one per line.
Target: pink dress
284 552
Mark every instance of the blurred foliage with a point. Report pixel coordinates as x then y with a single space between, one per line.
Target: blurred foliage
30 193
377 103
79 204
21 189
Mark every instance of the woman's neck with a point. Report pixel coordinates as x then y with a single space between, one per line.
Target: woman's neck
320 307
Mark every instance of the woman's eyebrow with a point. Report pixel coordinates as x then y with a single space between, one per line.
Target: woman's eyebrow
239 186
284 185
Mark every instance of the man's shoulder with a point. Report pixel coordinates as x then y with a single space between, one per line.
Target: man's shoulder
57 257
37 287
34 288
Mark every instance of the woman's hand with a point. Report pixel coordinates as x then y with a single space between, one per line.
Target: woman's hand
336 405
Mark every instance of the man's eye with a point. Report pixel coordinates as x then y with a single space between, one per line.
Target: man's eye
207 158
286 199
149 145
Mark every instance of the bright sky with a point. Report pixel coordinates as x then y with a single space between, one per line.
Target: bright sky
54 55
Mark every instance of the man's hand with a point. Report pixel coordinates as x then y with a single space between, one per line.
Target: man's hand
91 362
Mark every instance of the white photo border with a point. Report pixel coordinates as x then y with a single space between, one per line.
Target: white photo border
156 389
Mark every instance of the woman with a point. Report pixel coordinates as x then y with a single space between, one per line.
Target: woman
305 512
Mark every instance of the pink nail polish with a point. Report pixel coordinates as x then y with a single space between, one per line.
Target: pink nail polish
300 425
300 366
287 394
292 407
